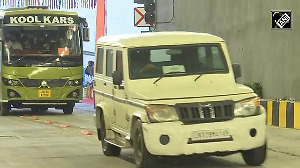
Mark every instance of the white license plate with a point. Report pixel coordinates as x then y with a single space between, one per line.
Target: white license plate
210 134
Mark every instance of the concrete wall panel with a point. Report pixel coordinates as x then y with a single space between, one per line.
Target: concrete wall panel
267 56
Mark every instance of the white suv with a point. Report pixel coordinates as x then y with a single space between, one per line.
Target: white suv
174 93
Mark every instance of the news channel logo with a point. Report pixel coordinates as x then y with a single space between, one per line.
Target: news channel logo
281 19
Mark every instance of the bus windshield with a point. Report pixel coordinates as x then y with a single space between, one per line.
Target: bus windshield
46 46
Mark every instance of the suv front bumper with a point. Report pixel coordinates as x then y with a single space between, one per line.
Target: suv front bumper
244 134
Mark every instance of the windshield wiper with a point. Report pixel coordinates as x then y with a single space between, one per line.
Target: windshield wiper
18 60
47 61
208 72
198 77
169 74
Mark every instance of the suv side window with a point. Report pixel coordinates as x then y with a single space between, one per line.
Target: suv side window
109 62
99 66
119 64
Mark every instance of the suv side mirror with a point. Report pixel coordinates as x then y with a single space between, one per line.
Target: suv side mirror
117 78
86 34
237 70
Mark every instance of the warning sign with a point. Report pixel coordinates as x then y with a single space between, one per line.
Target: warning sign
139 17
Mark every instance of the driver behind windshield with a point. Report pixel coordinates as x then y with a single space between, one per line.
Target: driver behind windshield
14 42
39 42
142 65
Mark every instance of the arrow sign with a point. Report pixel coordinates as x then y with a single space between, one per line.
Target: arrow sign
139 18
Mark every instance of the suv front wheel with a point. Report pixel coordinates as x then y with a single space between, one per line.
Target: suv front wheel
143 159
255 157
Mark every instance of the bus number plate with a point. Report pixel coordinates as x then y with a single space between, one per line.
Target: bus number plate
44 93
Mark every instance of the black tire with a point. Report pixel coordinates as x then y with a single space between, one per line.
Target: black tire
68 109
143 159
107 148
4 109
255 157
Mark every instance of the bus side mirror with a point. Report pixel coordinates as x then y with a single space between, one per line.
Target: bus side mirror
86 34
236 70
117 78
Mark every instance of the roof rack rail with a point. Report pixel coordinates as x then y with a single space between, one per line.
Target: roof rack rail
37 7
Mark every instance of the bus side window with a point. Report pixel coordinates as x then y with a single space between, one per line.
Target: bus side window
99 59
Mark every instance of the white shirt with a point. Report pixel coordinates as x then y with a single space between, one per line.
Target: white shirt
14 45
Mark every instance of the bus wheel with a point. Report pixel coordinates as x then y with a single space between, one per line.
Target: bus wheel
4 109
68 109
143 159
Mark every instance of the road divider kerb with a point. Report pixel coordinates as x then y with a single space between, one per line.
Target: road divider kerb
35 118
65 125
85 132
49 122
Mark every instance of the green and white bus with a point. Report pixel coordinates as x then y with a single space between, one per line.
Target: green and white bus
41 59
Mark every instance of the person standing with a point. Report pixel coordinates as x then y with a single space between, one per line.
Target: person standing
89 78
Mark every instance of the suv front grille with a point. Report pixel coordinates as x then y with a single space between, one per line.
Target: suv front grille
190 113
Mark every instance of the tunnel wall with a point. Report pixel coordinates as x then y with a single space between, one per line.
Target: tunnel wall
269 56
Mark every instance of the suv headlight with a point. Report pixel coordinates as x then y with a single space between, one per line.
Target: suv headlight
249 107
76 82
161 113
11 82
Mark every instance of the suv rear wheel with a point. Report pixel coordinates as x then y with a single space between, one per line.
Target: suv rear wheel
107 148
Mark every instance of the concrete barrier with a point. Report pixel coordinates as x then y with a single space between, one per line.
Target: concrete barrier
285 114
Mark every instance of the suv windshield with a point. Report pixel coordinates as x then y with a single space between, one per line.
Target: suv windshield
157 62
49 46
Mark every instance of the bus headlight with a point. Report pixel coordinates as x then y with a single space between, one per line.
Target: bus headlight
76 82
249 107
161 113
11 82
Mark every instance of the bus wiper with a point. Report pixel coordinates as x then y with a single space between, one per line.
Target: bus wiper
50 59
169 74
18 60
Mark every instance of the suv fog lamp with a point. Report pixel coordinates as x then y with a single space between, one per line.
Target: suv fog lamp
164 139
